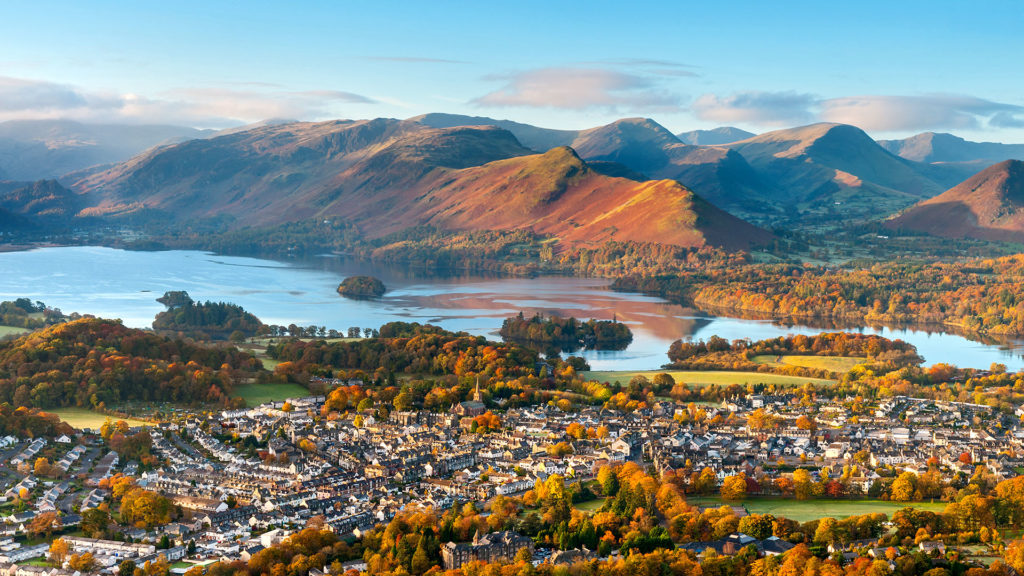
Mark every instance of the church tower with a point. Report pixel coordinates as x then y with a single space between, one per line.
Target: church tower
476 394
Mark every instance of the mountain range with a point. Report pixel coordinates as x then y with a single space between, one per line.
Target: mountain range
41 149
631 179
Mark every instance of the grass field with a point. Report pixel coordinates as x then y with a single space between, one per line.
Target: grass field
85 418
6 331
806 510
590 505
837 364
256 394
704 378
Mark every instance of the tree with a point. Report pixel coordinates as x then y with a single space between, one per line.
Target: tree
82 562
805 422
826 531
95 522
904 486
59 550
1014 555
734 488
757 525
802 485
42 467
126 568
44 524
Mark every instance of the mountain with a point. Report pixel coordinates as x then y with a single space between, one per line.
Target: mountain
640 148
829 171
721 135
31 204
533 137
389 175
40 149
989 206
940 148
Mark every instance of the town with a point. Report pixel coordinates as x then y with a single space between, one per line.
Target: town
222 486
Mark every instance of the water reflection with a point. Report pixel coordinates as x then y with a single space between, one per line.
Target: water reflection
119 284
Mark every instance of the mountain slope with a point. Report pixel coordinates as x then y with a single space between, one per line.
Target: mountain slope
533 137
836 170
40 149
721 135
720 175
989 206
953 152
31 204
389 175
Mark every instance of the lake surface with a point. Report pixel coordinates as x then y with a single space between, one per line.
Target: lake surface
115 283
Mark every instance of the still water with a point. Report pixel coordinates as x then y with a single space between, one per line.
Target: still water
121 284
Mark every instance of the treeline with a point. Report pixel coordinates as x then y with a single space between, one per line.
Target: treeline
204 320
403 347
95 363
977 295
31 423
19 313
566 333
720 354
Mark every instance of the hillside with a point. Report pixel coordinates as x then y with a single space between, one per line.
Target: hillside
41 149
641 149
715 136
836 170
988 206
34 204
388 175
89 361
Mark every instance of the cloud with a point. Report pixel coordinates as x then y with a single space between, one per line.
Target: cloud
650 66
206 107
929 112
757 108
416 59
572 88
879 113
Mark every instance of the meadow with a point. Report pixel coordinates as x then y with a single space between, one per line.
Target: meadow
835 364
85 418
259 393
806 510
706 377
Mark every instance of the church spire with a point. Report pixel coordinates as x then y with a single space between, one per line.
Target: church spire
476 394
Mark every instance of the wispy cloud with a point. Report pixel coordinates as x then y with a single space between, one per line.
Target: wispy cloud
758 108
578 88
879 113
935 111
208 107
416 60
648 66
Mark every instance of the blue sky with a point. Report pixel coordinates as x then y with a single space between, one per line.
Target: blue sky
893 68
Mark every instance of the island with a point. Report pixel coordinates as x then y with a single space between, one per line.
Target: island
569 334
362 287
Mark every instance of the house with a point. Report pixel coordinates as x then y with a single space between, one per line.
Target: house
487 548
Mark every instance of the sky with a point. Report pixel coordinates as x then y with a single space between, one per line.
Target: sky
894 68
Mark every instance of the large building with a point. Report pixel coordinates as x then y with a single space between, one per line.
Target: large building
486 548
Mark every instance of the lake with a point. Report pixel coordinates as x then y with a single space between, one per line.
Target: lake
122 284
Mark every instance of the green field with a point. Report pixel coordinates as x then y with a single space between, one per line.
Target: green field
256 394
837 364
12 331
590 505
85 418
706 377
806 510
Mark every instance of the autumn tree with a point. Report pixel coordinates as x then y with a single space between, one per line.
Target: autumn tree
734 488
